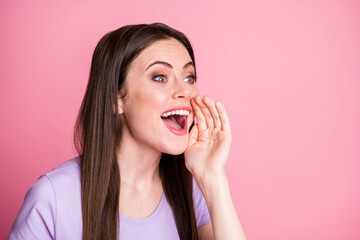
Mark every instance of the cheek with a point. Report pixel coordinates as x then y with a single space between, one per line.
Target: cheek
145 108
194 90
154 100
143 115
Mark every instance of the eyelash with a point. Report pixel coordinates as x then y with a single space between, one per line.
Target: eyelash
162 75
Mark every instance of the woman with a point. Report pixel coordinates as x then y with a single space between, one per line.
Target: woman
144 170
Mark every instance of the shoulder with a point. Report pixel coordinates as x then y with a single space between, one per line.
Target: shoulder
65 174
45 201
65 180
47 188
36 218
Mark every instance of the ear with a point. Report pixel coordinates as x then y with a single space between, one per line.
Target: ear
120 105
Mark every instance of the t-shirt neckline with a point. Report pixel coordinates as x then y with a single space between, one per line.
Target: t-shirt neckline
147 219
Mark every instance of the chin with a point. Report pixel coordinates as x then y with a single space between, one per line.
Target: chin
175 150
174 153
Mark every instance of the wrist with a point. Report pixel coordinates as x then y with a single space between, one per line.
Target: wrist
210 175
211 185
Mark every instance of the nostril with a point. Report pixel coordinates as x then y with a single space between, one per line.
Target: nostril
176 96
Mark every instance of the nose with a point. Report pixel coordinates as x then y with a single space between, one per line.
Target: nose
182 90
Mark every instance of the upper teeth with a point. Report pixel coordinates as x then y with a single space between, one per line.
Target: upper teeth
176 112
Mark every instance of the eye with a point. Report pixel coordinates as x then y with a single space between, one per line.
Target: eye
159 78
190 79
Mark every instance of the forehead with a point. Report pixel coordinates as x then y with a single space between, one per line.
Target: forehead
168 50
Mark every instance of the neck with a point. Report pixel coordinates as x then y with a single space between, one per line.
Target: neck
138 163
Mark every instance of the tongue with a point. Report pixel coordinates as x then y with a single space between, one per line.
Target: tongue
171 122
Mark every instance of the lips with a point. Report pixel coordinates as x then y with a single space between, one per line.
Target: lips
175 119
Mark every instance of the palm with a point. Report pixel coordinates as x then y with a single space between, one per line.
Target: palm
209 140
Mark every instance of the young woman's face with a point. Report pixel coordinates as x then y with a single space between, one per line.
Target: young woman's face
159 85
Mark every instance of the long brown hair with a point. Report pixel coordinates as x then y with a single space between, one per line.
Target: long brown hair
97 136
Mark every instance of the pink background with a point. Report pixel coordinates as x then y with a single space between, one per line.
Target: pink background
288 73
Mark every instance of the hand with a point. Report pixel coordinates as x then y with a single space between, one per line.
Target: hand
209 139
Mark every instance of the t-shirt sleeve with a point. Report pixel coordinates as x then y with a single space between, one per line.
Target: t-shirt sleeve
36 218
201 211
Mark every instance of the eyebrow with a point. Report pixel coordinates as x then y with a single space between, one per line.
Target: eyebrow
169 65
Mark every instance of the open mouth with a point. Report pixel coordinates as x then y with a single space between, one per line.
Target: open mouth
175 119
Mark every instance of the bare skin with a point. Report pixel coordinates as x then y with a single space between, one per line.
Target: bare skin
145 137
206 157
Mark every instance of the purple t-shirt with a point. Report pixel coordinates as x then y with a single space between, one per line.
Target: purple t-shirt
52 210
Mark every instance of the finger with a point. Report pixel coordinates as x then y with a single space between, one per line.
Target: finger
225 124
193 136
213 111
199 115
204 109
